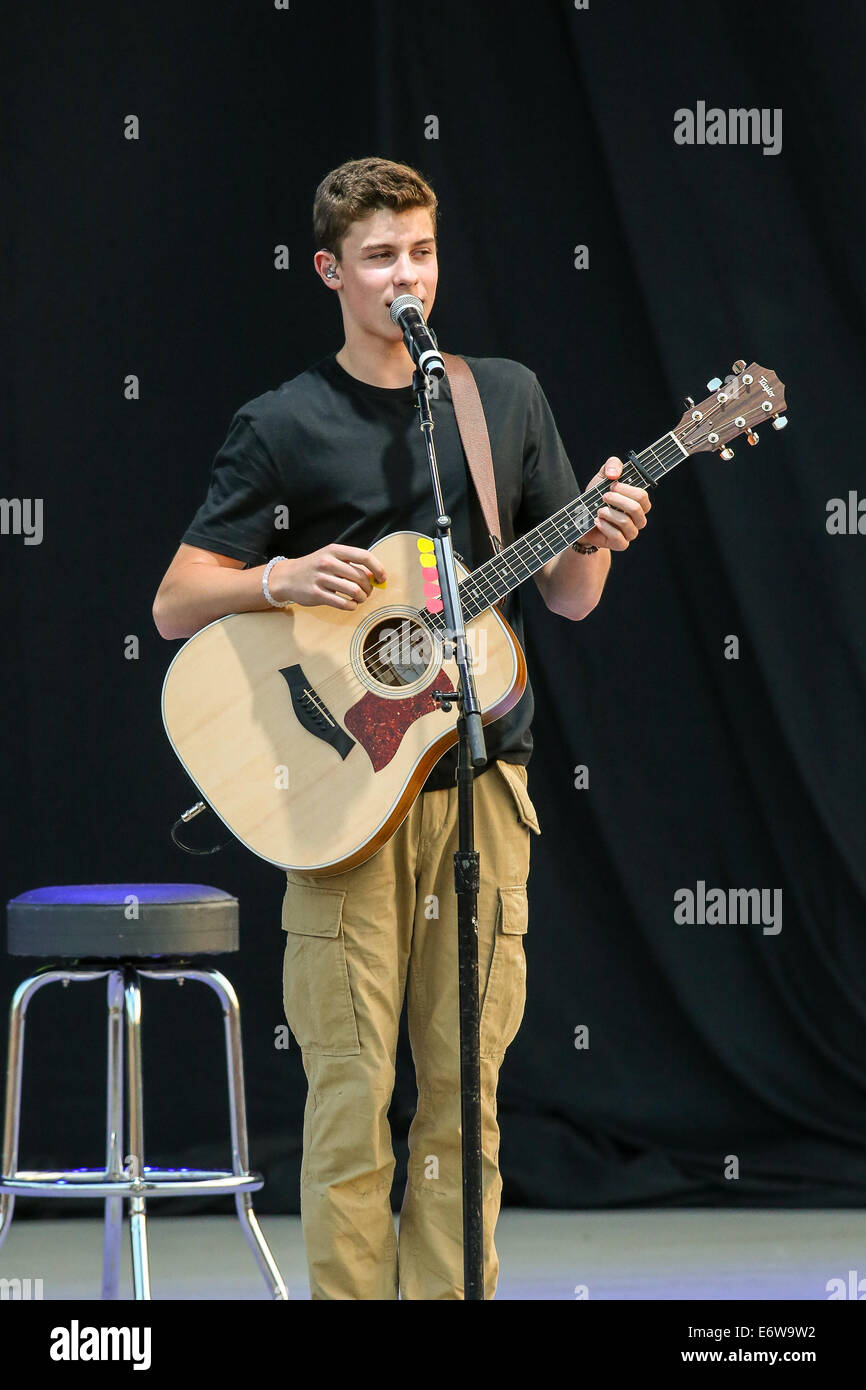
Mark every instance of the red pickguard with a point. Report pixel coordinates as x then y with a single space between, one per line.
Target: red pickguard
379 724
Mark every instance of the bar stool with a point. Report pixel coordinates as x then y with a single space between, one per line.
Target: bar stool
112 931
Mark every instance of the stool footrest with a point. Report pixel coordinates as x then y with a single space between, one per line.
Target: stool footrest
155 1182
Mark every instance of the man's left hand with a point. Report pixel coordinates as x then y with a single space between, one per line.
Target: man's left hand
623 514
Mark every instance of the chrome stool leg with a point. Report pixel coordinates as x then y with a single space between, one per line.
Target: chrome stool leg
113 1136
14 1063
237 1119
14 1070
259 1246
135 1132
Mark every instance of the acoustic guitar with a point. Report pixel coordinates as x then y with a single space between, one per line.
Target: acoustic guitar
310 732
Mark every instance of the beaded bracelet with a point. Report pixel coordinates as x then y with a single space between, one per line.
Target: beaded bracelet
266 591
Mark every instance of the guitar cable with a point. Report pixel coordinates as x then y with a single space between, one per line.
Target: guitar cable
189 815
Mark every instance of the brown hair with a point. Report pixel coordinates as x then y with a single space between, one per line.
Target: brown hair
360 187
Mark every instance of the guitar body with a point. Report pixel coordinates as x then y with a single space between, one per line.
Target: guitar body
310 732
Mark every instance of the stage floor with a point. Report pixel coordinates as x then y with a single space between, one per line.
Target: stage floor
693 1254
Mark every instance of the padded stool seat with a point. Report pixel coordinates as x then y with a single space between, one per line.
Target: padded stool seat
121 932
122 921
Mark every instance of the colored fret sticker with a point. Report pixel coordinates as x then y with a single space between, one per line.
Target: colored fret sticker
432 592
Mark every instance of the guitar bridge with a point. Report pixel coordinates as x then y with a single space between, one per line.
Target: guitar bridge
312 714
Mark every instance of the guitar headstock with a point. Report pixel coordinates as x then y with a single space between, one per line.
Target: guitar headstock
735 406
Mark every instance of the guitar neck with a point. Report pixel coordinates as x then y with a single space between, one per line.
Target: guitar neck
504 571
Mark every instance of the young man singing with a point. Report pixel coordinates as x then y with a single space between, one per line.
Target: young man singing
341 447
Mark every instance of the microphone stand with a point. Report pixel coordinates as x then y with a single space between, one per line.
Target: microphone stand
471 753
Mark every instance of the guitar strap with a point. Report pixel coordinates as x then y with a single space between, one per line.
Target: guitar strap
475 440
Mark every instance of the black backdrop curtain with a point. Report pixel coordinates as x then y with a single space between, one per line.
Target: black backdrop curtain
707 1043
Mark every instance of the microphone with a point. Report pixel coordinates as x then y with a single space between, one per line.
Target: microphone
407 312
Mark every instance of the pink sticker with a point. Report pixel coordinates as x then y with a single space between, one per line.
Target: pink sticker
433 602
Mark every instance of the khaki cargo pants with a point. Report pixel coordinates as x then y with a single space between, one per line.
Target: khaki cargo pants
353 940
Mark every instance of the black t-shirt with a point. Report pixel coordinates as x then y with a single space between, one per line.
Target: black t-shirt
349 462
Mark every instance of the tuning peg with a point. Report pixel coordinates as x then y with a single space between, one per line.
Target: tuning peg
739 365
689 403
752 436
780 422
714 383
727 453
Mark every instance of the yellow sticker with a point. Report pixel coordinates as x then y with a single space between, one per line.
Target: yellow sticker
427 559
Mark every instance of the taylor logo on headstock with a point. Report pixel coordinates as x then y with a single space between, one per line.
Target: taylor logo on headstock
737 406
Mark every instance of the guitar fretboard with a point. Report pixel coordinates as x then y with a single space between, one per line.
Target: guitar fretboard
496 577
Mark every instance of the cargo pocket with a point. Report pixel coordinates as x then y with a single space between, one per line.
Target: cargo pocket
316 993
516 777
505 993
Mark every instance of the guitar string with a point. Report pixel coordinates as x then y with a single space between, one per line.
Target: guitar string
481 582
666 454
477 580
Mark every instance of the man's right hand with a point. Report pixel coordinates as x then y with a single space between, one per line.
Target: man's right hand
339 576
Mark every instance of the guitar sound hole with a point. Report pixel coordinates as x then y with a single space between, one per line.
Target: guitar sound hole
397 651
